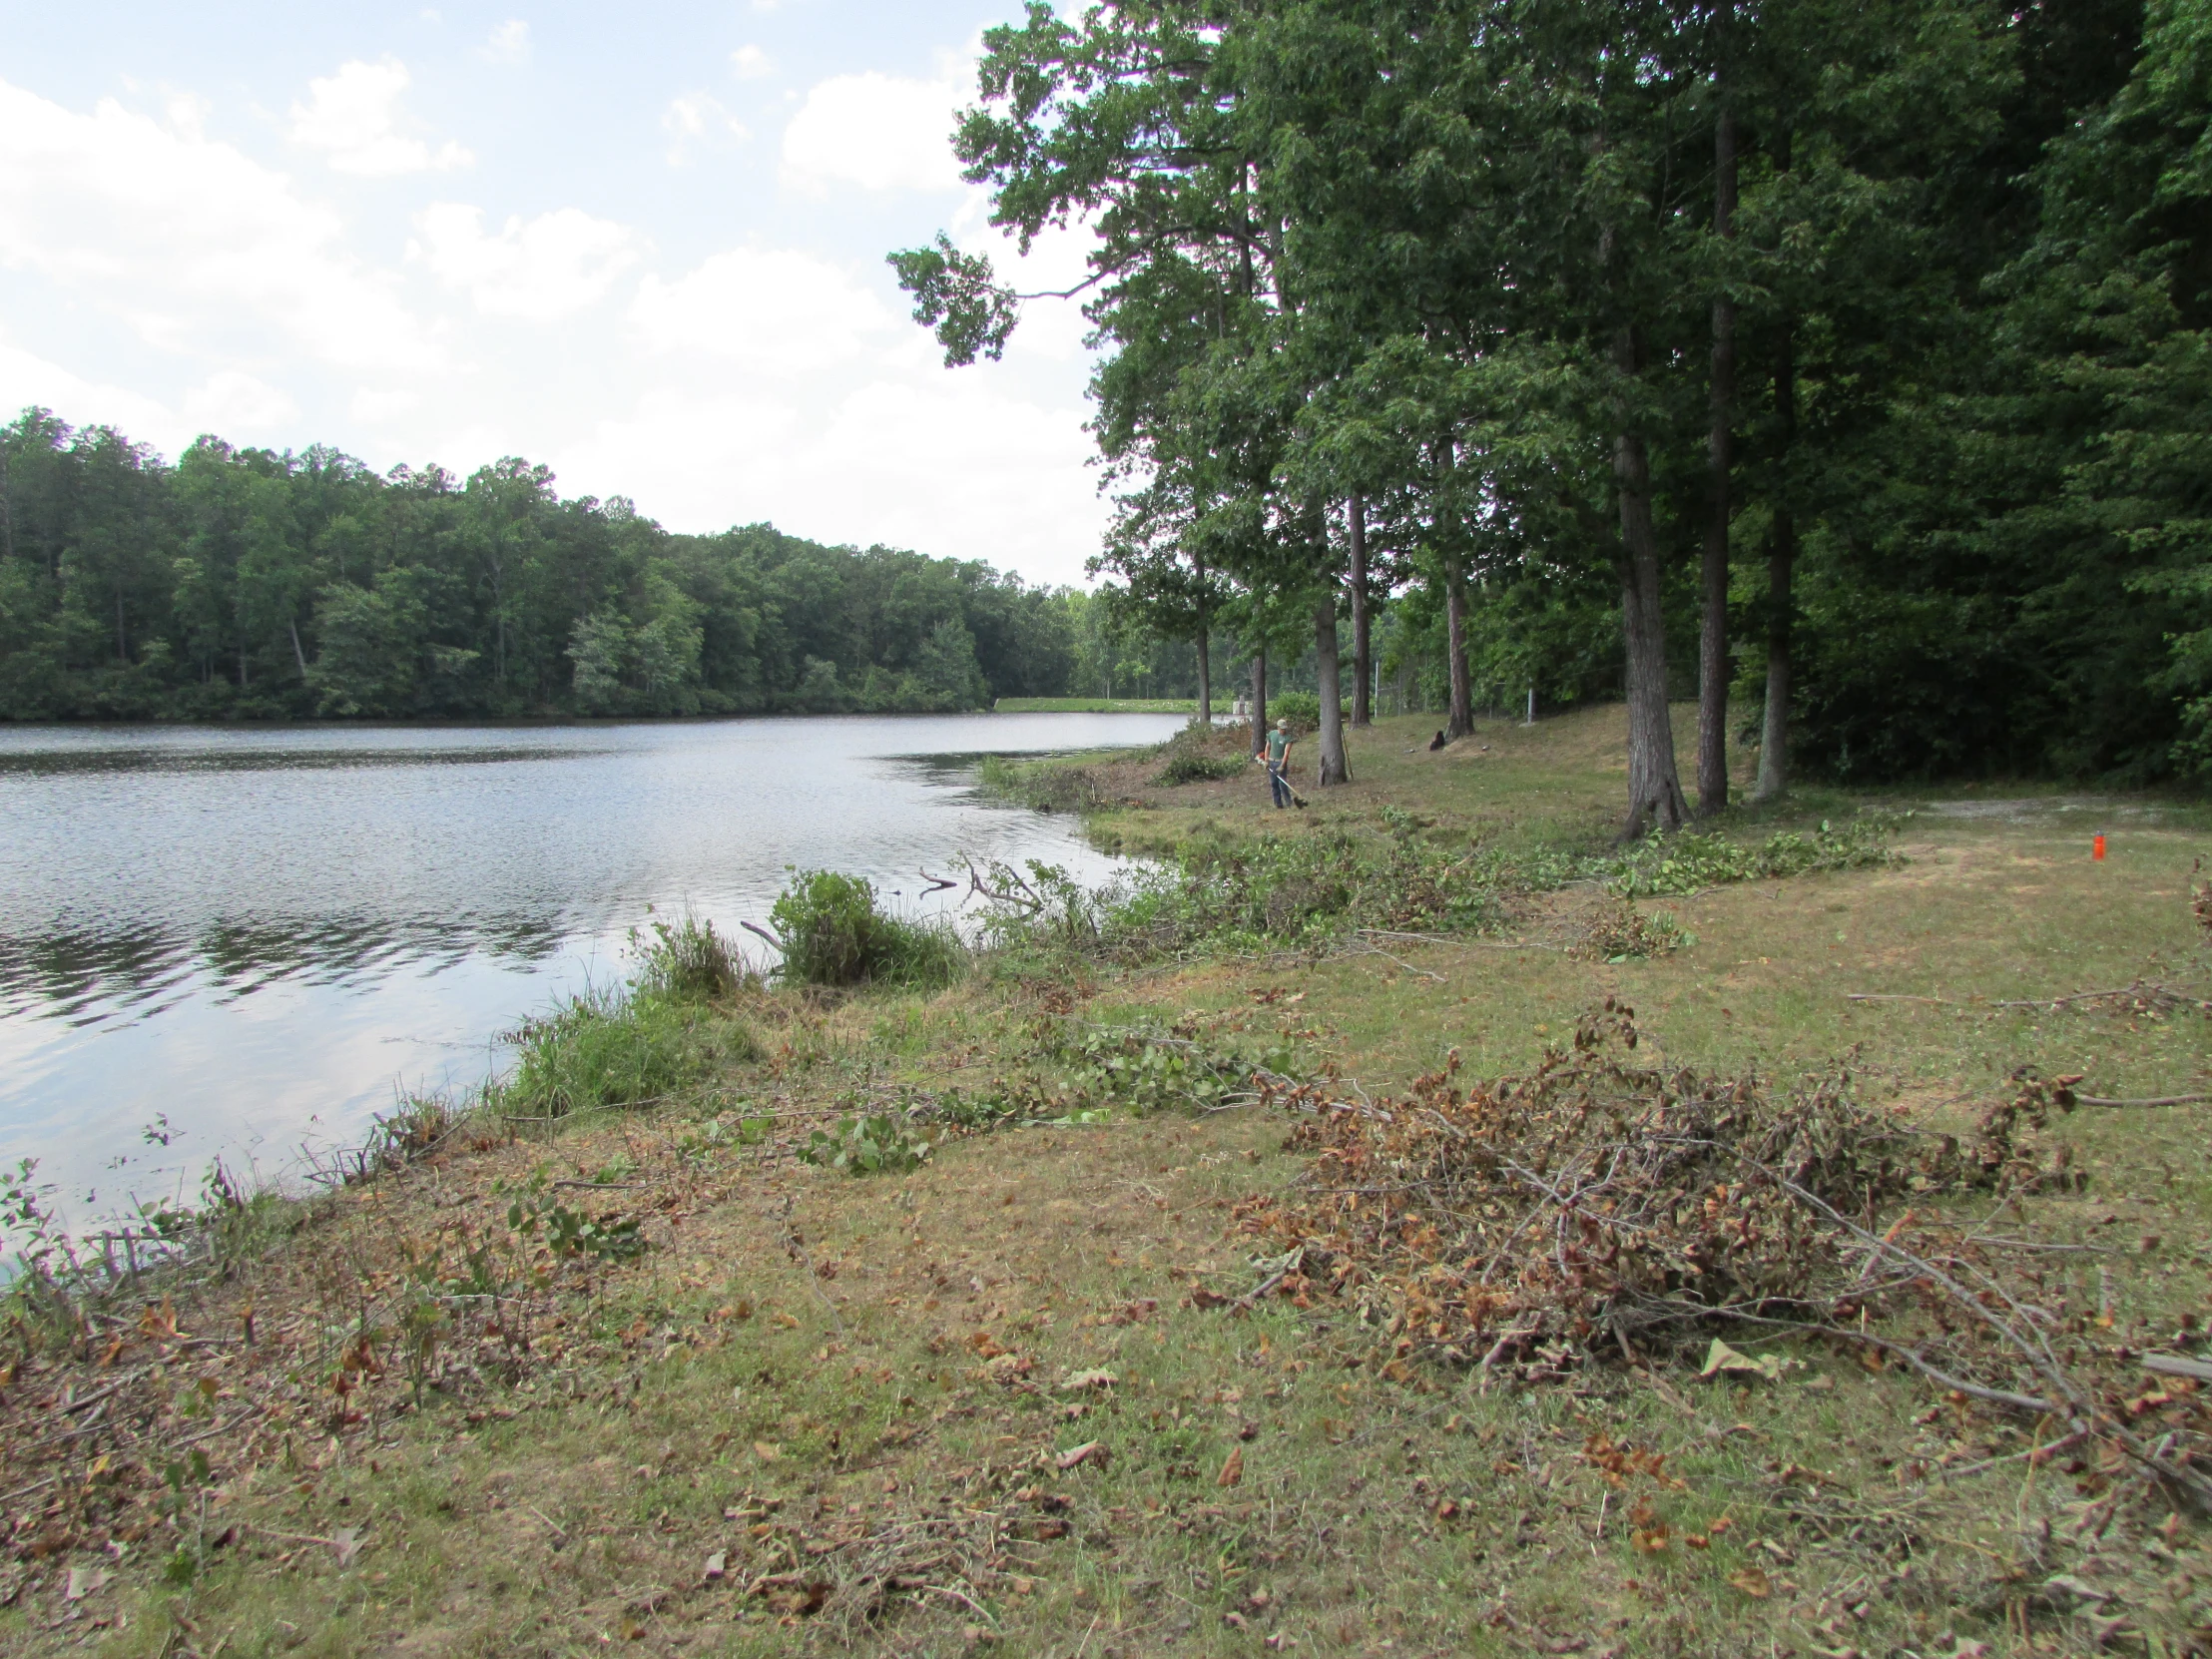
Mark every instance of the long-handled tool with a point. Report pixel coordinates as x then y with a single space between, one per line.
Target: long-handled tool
1273 770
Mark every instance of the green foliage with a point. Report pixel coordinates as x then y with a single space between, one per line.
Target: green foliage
699 1144
686 960
1216 894
834 933
607 1050
1621 934
1478 268
1693 861
1187 766
1142 1069
417 1125
1300 709
1198 755
535 1211
1048 786
873 1144
1304 888
1095 705
247 583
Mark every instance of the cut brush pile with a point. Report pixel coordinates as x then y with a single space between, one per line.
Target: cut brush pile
1596 1210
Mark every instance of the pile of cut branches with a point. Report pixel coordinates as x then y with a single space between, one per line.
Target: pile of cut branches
1598 1209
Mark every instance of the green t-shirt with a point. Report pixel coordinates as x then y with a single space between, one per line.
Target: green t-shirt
1277 743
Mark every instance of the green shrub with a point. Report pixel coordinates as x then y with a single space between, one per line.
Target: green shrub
1050 786
1218 893
607 1050
1300 709
1187 766
687 960
1690 862
866 1146
533 1212
1619 932
834 934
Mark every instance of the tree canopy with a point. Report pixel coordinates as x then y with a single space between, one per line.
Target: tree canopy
242 583
1846 357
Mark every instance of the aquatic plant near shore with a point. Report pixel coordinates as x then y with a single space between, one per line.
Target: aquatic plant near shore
613 1049
834 933
687 960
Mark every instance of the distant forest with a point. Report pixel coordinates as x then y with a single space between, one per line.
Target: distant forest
246 584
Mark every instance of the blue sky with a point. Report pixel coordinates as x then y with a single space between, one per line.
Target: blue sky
643 245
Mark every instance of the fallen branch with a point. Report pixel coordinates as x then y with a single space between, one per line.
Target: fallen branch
2173 1365
2160 1100
2064 1443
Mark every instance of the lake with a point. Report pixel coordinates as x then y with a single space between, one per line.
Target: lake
246 943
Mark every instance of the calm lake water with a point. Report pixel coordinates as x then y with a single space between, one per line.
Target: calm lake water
247 941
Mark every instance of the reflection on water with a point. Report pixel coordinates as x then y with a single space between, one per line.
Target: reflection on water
262 936
91 978
46 762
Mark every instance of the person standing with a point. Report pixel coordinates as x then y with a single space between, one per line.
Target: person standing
1279 762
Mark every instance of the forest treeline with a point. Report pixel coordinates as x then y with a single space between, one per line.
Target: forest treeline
1845 359
247 584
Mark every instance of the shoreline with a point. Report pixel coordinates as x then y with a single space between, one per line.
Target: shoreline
972 1282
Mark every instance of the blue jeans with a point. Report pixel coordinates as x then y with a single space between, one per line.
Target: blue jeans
1279 784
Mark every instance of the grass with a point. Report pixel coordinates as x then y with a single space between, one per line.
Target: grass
836 932
1096 706
829 1413
610 1049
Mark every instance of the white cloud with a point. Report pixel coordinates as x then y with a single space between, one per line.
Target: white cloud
233 402
948 464
697 118
27 378
188 115
538 271
880 132
381 407
354 115
509 43
171 284
186 240
749 62
771 310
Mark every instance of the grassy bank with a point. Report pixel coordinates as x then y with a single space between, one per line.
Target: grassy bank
1020 1305
1096 706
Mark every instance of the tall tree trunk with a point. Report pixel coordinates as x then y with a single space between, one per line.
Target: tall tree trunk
499 616
1460 720
7 504
1332 768
1260 697
298 656
1774 736
1205 658
1654 787
1363 661
1713 675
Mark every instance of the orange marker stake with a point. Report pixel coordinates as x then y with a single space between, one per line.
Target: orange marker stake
2096 850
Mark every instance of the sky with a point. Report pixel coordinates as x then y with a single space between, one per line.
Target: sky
643 245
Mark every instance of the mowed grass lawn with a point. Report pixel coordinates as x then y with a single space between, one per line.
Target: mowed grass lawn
975 1406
